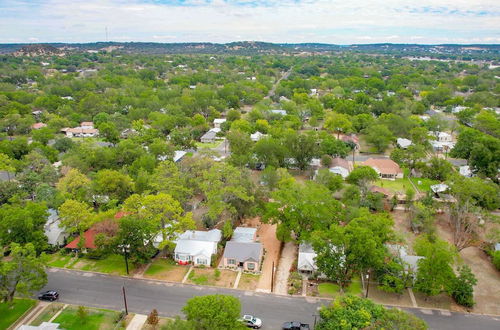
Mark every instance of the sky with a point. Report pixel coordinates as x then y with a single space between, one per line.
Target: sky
280 21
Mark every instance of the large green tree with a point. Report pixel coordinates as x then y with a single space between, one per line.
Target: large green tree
214 312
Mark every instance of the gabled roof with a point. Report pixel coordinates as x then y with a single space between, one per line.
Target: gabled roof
52 229
403 143
209 135
337 161
213 235
243 251
383 165
89 236
244 234
196 248
307 257
219 120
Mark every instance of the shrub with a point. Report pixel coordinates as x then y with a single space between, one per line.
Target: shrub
119 317
82 313
496 259
217 274
153 317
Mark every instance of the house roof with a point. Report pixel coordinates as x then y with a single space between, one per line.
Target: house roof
243 251
209 135
350 138
81 130
213 235
440 187
89 236
403 143
178 154
244 234
307 257
6 175
465 171
87 123
38 125
195 248
384 165
257 136
52 229
280 112
219 120
341 162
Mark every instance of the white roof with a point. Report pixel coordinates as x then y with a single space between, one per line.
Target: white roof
219 120
403 143
196 248
281 112
339 170
465 171
257 136
178 154
306 258
52 229
411 262
244 234
441 187
213 235
43 326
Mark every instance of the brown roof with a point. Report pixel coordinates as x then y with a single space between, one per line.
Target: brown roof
87 123
38 125
384 166
337 161
81 130
89 240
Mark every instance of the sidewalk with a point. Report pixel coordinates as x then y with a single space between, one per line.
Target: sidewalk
137 322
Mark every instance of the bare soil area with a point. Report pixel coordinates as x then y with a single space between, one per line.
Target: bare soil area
248 282
288 256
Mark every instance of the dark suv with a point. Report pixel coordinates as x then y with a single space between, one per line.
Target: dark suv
295 325
50 295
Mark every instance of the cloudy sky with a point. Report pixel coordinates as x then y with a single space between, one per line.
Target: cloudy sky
326 21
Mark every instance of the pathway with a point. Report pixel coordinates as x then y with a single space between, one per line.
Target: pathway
237 281
288 256
273 89
187 275
137 322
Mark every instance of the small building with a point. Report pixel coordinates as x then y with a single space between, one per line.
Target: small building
439 146
86 124
385 168
245 255
178 155
307 259
244 234
208 137
218 122
278 112
257 136
465 171
80 132
38 125
439 188
197 247
409 262
56 235
403 143
340 166
442 136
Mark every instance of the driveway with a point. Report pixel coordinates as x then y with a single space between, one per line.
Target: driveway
288 256
267 236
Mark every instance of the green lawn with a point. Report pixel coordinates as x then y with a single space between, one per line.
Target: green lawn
114 264
398 185
159 266
332 290
10 313
212 145
96 319
425 184
59 260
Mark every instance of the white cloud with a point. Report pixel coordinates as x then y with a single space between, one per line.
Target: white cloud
332 21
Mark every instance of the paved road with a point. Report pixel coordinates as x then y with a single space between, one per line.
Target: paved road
106 292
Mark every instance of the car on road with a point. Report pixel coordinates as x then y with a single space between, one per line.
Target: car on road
50 295
251 321
295 325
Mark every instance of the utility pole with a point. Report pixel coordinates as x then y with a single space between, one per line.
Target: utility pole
367 284
126 261
125 300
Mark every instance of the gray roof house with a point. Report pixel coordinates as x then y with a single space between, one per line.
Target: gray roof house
56 236
246 255
208 137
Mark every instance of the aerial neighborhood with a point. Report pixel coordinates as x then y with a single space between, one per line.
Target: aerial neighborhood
175 184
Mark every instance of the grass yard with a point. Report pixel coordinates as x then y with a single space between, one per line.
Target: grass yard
166 269
201 145
209 276
425 184
332 290
398 185
248 282
10 313
47 314
59 260
113 264
96 319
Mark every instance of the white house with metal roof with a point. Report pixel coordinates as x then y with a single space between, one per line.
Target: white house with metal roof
197 247
56 236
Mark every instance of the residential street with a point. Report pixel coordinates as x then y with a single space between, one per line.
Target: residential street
105 291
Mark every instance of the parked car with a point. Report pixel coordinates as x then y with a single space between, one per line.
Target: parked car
50 295
252 321
295 325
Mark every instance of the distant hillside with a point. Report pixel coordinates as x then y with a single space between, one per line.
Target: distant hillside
248 48
37 50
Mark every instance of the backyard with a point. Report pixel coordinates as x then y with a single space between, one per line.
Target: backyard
201 145
423 184
395 186
166 269
11 312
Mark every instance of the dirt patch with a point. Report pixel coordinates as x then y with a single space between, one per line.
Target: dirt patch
387 298
248 282
209 276
173 273
288 256
487 290
402 227
442 301
266 234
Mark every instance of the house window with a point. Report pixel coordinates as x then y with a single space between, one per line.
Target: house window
201 261
251 266
231 261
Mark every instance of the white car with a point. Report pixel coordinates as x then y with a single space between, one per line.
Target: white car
252 321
